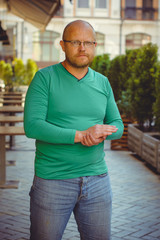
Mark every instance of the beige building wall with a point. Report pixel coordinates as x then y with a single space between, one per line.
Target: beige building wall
105 21
108 22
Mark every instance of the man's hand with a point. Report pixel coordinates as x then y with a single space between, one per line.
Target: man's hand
89 140
103 130
95 134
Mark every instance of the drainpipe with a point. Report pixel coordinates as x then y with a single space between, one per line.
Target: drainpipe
16 40
120 37
22 39
120 30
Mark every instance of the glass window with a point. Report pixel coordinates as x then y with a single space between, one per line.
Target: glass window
130 3
130 11
137 40
101 4
147 3
44 48
46 52
36 51
148 11
83 3
100 38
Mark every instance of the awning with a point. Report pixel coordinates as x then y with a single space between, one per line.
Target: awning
36 12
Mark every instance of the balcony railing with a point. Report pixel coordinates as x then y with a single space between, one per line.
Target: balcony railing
140 13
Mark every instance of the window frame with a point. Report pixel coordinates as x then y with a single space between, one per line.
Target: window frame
133 39
41 40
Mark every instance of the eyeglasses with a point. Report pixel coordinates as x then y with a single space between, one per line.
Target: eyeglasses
77 43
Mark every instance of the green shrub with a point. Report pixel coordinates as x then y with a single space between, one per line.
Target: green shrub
17 73
134 78
6 74
31 69
142 84
116 76
101 64
2 67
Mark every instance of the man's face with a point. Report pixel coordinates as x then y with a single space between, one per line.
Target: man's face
79 56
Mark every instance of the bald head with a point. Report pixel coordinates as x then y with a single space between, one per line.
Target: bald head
75 25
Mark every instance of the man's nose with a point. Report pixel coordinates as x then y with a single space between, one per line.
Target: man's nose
82 46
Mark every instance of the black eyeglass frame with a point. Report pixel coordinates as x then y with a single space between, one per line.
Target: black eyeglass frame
79 42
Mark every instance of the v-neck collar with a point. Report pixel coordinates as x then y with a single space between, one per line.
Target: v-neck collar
79 80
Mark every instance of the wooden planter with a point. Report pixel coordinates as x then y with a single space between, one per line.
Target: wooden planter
158 162
145 145
150 149
135 139
122 143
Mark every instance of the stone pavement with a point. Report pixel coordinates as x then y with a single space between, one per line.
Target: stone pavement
136 196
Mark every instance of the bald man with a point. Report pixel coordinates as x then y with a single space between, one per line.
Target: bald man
70 110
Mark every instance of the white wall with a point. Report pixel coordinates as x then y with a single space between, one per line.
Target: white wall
110 27
115 8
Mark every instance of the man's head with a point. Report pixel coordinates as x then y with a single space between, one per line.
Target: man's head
79 42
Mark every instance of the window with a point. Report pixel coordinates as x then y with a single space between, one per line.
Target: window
145 11
83 3
44 48
130 3
137 40
130 10
101 4
148 11
100 38
148 3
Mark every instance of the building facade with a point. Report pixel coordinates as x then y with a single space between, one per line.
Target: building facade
119 25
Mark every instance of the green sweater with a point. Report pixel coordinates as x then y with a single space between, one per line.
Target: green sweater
57 104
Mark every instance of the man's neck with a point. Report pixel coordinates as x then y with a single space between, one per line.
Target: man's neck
79 73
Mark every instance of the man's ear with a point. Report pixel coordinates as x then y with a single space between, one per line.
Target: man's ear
62 45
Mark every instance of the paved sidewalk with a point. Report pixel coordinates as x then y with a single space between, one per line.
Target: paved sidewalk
136 197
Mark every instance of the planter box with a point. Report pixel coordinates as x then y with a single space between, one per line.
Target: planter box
150 149
158 163
145 145
135 139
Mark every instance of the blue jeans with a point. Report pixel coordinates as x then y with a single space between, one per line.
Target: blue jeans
53 201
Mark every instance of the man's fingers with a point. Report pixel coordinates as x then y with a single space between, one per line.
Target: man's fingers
104 130
109 128
89 140
97 133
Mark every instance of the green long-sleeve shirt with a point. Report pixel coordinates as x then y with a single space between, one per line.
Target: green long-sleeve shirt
57 104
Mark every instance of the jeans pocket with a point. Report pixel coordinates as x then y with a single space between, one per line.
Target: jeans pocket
103 174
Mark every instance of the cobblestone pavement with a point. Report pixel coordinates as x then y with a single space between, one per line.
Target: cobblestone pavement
136 196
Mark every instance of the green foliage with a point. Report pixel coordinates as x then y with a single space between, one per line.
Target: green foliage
2 67
31 69
124 101
135 79
124 105
101 64
6 74
17 73
116 76
142 84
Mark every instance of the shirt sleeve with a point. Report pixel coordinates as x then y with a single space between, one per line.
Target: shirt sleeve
35 113
112 116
